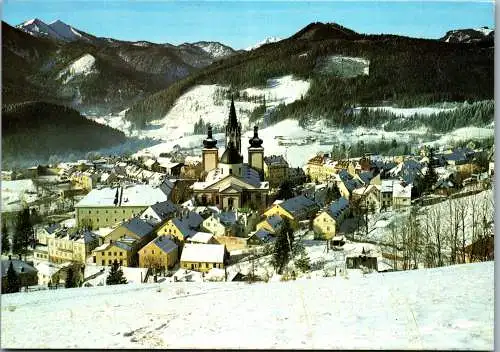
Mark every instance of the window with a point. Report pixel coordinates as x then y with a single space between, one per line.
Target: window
109 261
206 265
121 254
152 251
114 254
90 211
103 262
123 211
94 259
121 261
115 211
230 171
215 265
106 211
192 266
109 253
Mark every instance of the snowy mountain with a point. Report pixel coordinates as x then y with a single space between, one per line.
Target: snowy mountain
59 63
268 40
57 30
38 28
443 308
215 49
470 35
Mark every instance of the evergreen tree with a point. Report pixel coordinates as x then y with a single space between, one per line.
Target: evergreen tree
430 177
23 233
13 283
303 262
115 276
70 278
283 247
285 191
5 239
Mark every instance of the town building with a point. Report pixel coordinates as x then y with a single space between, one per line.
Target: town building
71 245
229 183
122 252
159 213
183 226
328 221
26 273
203 257
275 170
109 206
295 209
160 254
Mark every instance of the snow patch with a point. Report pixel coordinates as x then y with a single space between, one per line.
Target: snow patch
268 40
82 66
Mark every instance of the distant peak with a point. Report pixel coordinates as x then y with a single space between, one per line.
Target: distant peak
32 21
57 22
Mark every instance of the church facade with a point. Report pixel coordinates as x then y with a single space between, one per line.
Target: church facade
228 182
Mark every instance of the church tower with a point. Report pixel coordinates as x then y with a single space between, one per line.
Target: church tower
210 153
233 129
256 153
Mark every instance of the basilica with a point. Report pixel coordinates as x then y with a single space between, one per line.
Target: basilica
228 182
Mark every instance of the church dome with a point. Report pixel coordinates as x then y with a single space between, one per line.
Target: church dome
231 155
255 141
210 142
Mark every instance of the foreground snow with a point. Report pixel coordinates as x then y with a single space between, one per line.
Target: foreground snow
444 308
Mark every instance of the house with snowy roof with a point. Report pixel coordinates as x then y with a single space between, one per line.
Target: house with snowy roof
409 171
159 212
135 228
160 254
271 224
26 273
203 257
221 224
121 251
328 221
295 209
68 245
367 197
109 206
275 169
202 237
347 183
260 237
185 225
401 195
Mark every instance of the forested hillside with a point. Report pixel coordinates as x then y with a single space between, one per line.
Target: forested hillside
37 130
402 71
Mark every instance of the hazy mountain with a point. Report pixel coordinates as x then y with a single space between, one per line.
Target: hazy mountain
58 63
483 35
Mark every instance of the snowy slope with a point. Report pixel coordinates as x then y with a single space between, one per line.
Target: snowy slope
215 49
268 40
80 67
446 308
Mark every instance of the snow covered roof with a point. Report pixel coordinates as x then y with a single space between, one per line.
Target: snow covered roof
263 235
138 226
205 253
400 191
165 244
337 207
297 206
201 237
18 266
387 186
275 221
133 196
164 209
149 163
274 160
249 176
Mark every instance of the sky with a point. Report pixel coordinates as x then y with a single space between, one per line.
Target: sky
240 24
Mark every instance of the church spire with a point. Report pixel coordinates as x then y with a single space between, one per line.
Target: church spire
233 122
233 128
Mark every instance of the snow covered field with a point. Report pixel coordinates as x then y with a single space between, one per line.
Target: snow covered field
445 308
